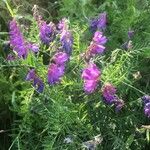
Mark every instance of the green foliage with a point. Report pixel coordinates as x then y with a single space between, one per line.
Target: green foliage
44 121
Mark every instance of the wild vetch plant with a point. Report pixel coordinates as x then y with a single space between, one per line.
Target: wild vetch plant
74 92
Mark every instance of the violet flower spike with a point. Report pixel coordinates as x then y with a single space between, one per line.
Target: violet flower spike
17 41
109 93
91 76
55 73
97 45
46 32
66 40
93 25
99 23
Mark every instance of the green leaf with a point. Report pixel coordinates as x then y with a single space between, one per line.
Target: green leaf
147 135
129 141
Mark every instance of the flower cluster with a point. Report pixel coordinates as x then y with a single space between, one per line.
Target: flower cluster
146 101
17 41
99 23
92 73
91 76
19 44
36 81
47 32
66 38
56 69
110 97
97 45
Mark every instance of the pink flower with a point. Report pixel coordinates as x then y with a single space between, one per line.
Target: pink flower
91 75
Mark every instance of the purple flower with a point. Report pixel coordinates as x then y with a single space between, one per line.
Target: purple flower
60 58
46 32
118 104
31 75
99 23
146 99
91 76
147 109
102 20
66 40
99 38
37 82
130 34
55 73
63 24
90 86
97 45
17 41
109 93
93 25
95 49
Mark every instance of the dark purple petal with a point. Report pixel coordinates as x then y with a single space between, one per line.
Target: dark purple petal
93 25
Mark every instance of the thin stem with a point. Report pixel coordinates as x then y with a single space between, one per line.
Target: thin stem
134 88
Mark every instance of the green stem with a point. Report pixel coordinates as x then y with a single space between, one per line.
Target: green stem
9 8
